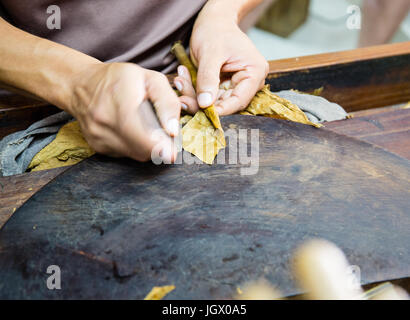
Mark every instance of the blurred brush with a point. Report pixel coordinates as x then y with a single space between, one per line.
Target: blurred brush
258 290
322 271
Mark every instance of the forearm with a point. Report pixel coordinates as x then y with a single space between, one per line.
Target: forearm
381 19
39 67
233 10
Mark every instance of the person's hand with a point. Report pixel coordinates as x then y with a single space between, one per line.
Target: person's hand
108 103
221 51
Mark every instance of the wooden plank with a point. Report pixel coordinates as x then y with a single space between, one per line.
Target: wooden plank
18 112
340 57
389 130
374 111
15 190
357 79
19 118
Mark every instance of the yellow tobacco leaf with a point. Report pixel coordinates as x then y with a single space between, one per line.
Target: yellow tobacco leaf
185 119
68 148
267 104
316 92
157 293
212 115
200 138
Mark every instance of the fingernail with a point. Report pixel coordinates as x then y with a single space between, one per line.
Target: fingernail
173 127
166 154
205 99
181 71
184 106
218 109
178 85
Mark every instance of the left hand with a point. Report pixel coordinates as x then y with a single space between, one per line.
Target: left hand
220 50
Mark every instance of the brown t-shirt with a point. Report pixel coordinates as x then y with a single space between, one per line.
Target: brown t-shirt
140 31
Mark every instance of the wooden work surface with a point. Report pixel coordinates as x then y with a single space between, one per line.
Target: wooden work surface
360 79
388 128
119 227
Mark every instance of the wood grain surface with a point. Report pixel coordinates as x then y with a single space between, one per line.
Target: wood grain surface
387 129
362 78
341 57
15 190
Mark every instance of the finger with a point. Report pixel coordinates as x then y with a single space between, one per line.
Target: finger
240 97
220 94
184 73
228 106
226 94
235 66
134 131
184 86
160 144
127 100
145 137
137 123
239 77
223 95
208 80
164 149
189 104
135 118
165 101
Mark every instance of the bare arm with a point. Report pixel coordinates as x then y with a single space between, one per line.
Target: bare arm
104 97
381 18
37 66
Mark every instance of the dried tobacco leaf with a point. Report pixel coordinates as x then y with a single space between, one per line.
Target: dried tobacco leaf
267 104
185 119
200 138
68 148
213 116
157 293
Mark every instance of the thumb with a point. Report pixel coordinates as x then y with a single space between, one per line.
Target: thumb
165 101
208 79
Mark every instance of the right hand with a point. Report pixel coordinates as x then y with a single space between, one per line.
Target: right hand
108 103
